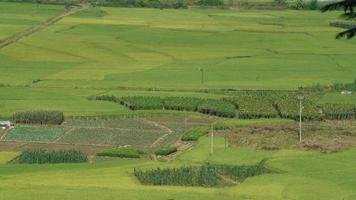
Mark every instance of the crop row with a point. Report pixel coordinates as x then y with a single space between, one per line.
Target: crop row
339 111
289 107
251 107
244 106
41 156
39 117
219 108
207 175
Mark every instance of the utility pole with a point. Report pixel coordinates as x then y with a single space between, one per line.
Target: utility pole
300 97
225 140
212 139
202 75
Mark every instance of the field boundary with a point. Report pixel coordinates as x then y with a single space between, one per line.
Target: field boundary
40 26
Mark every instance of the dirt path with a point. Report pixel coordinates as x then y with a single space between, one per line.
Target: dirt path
160 126
4 134
40 26
64 134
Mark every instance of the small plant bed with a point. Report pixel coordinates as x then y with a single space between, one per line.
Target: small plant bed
206 175
35 133
165 151
135 124
102 136
41 156
122 153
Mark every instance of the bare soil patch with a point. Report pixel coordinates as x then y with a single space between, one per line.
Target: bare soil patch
326 137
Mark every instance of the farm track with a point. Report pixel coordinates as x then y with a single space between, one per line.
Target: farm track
3 134
160 126
40 26
63 135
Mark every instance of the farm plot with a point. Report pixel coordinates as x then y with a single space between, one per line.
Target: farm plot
120 124
113 137
250 107
35 133
288 107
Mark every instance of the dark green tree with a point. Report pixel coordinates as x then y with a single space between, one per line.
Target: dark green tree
348 14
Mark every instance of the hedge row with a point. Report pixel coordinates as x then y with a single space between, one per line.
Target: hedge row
215 107
121 153
41 156
243 105
39 117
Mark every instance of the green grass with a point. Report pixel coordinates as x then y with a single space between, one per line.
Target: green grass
338 98
34 134
7 156
304 175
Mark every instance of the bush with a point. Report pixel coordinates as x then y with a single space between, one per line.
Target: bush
164 151
312 5
211 2
106 98
41 156
121 153
195 133
39 117
144 3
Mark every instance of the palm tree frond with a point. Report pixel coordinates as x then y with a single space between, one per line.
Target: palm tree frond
350 33
348 16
